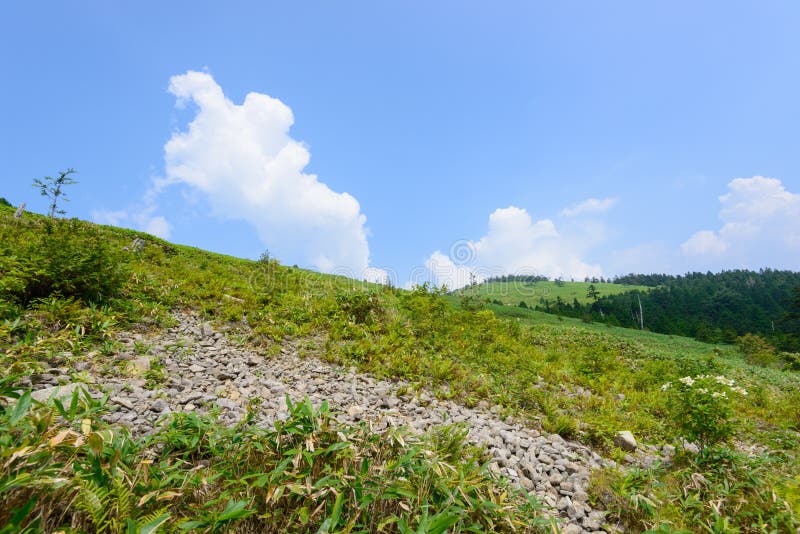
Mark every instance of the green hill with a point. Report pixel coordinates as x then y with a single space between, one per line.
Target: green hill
67 288
536 293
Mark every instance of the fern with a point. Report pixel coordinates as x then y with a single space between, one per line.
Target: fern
149 523
108 509
94 500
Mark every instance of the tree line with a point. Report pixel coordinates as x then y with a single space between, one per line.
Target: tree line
710 307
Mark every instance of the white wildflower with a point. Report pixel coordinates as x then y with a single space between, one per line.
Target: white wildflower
719 394
666 386
702 390
688 380
724 380
739 389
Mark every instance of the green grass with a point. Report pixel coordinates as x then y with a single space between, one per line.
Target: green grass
585 381
533 294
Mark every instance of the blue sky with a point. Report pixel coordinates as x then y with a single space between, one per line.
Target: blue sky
442 139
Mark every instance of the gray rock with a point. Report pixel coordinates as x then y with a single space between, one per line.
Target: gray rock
125 403
572 528
625 440
142 363
62 393
159 406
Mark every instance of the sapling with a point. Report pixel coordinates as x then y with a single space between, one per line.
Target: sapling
52 188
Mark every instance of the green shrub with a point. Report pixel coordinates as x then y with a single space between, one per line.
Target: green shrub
472 302
716 491
597 360
791 360
702 407
360 307
64 258
757 350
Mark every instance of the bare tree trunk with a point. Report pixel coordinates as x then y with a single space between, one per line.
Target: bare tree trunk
641 314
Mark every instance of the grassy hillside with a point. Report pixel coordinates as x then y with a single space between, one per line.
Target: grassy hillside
533 294
581 381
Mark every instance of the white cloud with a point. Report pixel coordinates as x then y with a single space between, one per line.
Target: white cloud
513 244
704 242
760 228
442 271
242 158
589 206
142 218
378 276
113 218
158 226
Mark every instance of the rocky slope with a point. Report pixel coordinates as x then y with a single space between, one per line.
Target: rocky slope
203 368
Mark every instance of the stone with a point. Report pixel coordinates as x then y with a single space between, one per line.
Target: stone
571 528
62 393
355 411
690 447
625 440
142 363
125 403
591 524
159 406
575 512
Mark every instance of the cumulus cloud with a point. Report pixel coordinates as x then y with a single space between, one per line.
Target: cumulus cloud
242 158
704 242
142 218
759 227
443 271
158 226
111 217
379 276
589 206
513 244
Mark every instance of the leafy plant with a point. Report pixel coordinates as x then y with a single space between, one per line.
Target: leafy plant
360 307
65 258
52 188
702 407
308 474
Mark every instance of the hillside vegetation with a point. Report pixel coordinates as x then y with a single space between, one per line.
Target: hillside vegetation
67 286
710 307
544 293
714 306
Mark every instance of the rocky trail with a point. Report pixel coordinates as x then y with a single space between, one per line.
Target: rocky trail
203 367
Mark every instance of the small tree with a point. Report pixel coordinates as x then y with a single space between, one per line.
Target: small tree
52 188
593 293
